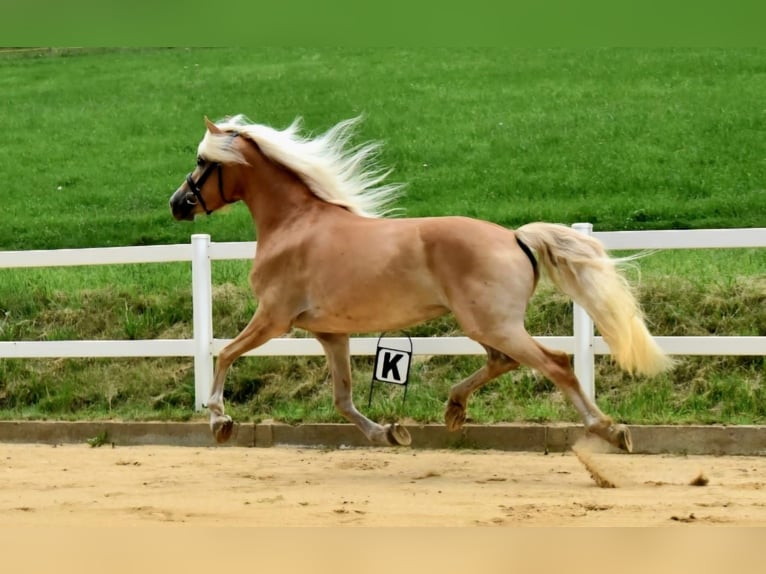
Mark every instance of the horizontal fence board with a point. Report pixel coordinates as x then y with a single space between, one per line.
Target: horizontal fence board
232 250
664 239
71 349
361 346
96 256
683 239
713 345
741 346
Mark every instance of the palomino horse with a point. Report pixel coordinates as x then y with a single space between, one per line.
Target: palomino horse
329 263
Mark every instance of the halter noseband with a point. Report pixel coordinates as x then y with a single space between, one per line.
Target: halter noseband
196 186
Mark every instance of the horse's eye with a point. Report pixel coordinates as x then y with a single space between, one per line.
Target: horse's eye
200 161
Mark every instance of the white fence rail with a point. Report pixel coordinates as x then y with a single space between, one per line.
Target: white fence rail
204 346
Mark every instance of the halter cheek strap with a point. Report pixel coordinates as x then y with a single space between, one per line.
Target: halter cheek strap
196 186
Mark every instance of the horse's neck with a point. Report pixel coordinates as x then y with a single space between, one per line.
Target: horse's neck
276 197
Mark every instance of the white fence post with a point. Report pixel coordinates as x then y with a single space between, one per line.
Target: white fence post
584 358
202 299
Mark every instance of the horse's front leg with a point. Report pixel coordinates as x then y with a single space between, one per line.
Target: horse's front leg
338 359
258 331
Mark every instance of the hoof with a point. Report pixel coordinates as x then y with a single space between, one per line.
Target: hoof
454 416
616 435
620 435
222 428
397 435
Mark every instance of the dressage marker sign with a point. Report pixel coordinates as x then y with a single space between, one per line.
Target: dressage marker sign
391 366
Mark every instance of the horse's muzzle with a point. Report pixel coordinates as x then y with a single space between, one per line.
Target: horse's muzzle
183 205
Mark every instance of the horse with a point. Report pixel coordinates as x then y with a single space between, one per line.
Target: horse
333 261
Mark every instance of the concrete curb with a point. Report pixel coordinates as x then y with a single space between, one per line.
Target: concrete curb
693 439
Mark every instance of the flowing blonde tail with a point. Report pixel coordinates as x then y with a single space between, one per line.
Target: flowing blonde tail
581 268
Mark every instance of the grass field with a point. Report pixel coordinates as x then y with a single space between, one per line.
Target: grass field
95 141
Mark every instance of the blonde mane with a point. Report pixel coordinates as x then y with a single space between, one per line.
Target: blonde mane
335 173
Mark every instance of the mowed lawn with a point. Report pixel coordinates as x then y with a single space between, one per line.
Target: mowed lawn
94 142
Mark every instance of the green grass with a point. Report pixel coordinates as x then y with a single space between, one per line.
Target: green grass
626 139
95 141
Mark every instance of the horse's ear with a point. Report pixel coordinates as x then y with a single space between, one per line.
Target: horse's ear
211 127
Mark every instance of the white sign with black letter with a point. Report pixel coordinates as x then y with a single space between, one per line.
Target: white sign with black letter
391 366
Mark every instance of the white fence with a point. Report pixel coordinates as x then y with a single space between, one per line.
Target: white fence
204 346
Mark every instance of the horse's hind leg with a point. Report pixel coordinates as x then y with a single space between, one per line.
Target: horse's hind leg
339 360
555 366
497 364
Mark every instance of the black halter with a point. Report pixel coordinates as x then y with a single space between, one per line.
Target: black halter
196 186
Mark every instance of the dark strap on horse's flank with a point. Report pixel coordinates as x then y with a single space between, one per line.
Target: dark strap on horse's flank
528 252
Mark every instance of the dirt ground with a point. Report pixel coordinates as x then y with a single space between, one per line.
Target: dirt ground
149 485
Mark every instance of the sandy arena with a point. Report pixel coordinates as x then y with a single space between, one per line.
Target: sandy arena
281 486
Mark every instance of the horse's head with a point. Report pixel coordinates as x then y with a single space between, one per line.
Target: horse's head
204 189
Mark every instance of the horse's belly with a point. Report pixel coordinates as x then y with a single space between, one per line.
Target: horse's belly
369 314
